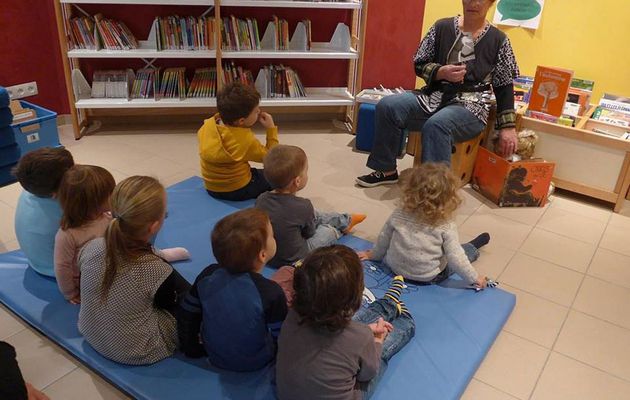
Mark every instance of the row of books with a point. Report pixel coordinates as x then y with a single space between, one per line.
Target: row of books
614 110
233 73
278 81
239 34
114 35
149 83
185 33
81 35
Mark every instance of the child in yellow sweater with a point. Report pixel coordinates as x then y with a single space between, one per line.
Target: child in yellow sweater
227 144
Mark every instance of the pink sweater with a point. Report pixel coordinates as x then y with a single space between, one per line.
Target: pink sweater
67 245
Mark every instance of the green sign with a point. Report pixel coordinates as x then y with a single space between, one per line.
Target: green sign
520 10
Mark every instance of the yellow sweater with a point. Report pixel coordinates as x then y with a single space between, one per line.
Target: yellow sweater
225 152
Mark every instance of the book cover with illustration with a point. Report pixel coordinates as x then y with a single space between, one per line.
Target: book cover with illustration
512 184
549 93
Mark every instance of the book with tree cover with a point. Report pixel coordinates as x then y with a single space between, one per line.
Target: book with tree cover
549 93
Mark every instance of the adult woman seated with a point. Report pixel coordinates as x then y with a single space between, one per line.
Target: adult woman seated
462 60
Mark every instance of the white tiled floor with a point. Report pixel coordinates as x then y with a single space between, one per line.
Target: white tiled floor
568 264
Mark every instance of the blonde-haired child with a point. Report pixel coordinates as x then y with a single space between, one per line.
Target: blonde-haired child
84 198
129 294
419 240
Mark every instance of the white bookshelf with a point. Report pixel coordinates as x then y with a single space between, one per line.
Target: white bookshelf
315 97
338 97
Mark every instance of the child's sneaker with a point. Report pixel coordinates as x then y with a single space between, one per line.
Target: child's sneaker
377 178
355 219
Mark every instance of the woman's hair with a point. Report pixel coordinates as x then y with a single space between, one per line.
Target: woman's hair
328 288
137 202
83 192
238 239
429 193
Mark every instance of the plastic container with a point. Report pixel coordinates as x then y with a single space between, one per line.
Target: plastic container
38 132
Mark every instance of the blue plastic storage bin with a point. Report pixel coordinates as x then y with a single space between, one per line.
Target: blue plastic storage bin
38 132
9 154
6 136
366 127
6 176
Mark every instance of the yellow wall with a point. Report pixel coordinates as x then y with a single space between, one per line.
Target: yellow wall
590 37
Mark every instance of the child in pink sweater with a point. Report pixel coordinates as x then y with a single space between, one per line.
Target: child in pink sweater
84 196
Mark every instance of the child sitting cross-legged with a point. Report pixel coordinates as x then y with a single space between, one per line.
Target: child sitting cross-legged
236 311
130 294
227 145
324 351
297 226
84 197
419 240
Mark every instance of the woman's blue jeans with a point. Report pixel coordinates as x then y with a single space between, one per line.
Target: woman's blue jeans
397 113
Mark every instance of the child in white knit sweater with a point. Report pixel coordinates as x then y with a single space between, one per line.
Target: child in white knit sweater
419 240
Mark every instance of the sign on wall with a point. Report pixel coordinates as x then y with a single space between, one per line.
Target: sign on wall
524 13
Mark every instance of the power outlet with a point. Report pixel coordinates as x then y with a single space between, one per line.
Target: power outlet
22 90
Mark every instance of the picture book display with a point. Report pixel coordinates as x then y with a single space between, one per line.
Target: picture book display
549 91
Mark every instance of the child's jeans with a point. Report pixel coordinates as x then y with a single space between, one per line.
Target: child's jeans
256 186
471 252
404 330
330 226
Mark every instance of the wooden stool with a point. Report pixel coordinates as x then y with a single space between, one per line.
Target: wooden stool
463 155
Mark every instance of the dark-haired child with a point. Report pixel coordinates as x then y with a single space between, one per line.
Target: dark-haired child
38 212
323 351
227 145
236 310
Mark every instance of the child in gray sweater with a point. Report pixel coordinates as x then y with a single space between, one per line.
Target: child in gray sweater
419 240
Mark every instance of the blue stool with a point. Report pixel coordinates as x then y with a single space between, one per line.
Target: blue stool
366 127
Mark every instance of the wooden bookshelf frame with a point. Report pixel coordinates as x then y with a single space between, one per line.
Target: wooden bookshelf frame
591 146
337 98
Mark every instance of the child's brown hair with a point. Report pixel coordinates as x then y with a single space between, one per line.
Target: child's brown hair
430 193
238 239
83 192
328 287
137 202
236 101
282 164
40 171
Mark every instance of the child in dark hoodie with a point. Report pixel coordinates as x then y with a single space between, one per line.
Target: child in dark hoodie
227 144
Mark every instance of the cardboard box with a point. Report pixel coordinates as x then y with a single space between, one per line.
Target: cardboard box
512 184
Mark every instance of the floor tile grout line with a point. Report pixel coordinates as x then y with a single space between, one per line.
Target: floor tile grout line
552 262
494 387
7 338
60 378
526 339
573 238
577 292
591 366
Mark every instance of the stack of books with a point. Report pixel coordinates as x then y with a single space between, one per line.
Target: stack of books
144 84
111 83
172 84
114 35
281 81
204 83
232 73
240 34
185 33
614 110
282 33
81 34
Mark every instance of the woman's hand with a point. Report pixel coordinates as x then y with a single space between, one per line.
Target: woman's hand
507 142
451 73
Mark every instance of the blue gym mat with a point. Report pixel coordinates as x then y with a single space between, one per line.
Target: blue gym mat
455 326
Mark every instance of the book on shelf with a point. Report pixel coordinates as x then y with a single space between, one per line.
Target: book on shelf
282 33
172 84
550 89
278 81
81 35
114 35
239 34
583 84
234 73
184 33
144 83
112 83
522 88
203 84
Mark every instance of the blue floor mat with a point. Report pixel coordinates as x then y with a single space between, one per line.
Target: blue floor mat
455 326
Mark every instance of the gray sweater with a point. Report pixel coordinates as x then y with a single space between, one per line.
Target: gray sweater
419 251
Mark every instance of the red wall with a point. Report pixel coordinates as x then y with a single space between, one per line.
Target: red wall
30 51
393 34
